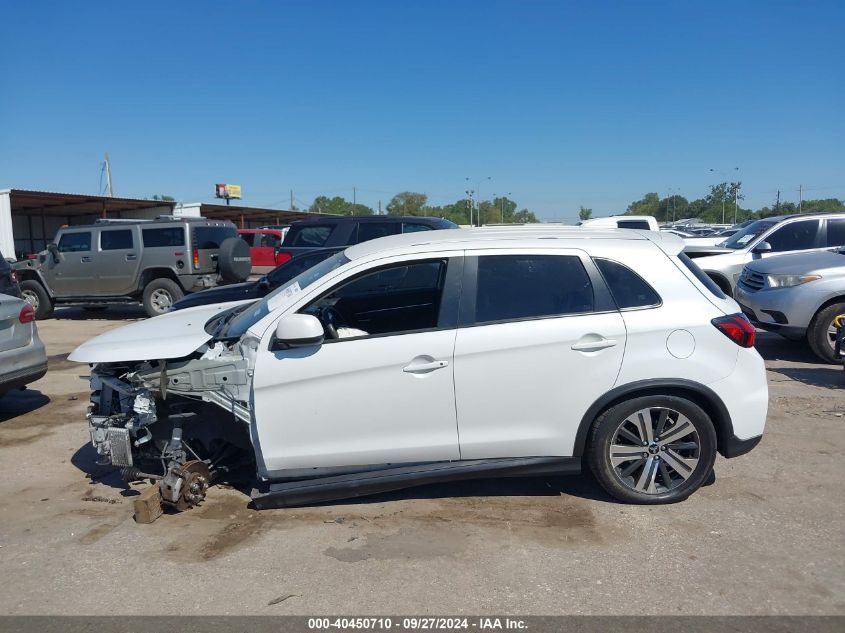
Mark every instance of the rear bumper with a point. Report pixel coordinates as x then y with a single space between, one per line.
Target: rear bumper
734 447
23 365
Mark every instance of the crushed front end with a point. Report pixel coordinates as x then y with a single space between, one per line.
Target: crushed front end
181 423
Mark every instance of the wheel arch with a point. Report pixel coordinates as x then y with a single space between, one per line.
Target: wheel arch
701 395
29 274
151 274
827 304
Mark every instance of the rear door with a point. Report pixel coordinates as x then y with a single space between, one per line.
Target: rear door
117 261
539 341
75 273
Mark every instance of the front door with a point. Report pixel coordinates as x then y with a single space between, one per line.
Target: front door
74 273
380 388
540 343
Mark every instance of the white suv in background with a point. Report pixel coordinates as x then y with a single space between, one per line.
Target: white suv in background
441 356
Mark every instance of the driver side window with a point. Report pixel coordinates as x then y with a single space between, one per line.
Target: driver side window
795 236
390 300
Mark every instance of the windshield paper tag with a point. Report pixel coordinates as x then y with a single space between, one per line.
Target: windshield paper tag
283 296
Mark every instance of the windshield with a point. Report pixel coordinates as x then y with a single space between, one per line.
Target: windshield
254 312
742 238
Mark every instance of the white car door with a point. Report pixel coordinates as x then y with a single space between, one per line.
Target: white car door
383 392
539 341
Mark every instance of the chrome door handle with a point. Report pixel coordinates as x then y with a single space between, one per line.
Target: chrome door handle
131 256
424 368
85 260
594 346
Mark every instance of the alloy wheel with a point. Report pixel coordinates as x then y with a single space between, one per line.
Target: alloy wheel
161 300
654 450
31 298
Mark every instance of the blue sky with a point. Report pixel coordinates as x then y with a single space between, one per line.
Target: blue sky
560 103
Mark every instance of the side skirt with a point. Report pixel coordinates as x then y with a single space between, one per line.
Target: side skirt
309 491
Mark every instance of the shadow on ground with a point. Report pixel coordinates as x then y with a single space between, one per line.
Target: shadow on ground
16 403
831 377
774 347
85 459
111 313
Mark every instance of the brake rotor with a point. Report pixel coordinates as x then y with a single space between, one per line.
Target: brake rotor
195 476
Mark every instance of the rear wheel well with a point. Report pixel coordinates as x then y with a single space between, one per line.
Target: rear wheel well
698 394
151 274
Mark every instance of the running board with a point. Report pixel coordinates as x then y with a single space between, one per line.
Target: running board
308 491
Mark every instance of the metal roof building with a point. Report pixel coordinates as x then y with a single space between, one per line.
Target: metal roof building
30 219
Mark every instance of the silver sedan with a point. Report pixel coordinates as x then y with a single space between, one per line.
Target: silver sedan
23 359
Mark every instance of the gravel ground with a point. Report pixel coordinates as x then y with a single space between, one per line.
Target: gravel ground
766 538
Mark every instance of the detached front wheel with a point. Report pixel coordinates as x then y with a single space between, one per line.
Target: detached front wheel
653 449
160 295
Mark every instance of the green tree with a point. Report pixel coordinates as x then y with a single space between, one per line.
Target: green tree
338 206
584 213
407 203
525 216
164 198
649 204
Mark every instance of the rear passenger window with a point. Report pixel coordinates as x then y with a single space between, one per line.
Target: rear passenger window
633 224
371 230
836 232
531 286
629 290
75 242
308 236
171 236
116 240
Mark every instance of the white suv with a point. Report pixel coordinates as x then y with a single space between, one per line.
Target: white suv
449 355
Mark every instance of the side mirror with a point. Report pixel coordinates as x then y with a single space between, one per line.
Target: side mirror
762 247
264 283
54 251
298 330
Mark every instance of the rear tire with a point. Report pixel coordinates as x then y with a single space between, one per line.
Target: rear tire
34 293
159 295
665 470
821 335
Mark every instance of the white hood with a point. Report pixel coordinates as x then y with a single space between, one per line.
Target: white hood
171 335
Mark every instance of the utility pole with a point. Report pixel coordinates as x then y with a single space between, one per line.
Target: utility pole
469 193
777 203
379 207
736 201
108 177
800 197
354 196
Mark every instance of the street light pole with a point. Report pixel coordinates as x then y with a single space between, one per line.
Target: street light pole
478 200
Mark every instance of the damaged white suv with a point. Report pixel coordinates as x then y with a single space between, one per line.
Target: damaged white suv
450 355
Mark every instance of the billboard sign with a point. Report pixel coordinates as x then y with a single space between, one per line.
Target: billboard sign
229 192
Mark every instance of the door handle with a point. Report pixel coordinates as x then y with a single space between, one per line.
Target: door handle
85 260
131 256
424 368
594 346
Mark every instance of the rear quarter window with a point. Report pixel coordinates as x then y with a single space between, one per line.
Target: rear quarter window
313 236
629 290
169 236
701 276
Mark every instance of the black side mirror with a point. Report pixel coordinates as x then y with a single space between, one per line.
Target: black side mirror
762 247
54 251
264 283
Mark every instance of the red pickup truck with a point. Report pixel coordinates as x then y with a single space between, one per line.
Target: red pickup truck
264 248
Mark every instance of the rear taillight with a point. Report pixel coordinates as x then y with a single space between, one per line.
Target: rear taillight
282 257
27 314
737 328
196 258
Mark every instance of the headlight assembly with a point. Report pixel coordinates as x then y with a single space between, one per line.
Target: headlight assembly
787 281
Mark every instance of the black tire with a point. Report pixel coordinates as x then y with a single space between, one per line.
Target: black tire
234 262
33 292
621 484
818 335
159 295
